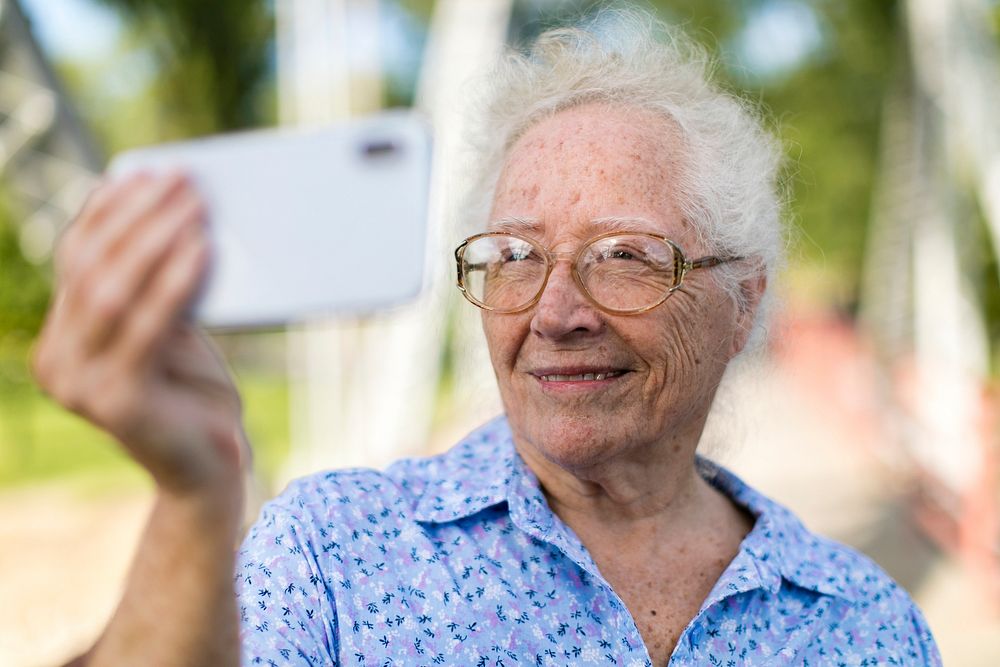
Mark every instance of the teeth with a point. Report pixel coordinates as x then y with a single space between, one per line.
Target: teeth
580 378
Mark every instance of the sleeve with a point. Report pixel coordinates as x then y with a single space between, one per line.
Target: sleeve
287 610
925 648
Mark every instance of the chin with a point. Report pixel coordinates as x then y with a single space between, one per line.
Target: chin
571 441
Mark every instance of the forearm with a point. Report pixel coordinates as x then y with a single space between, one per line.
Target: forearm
179 606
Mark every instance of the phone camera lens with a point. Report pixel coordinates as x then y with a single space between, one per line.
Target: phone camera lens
380 148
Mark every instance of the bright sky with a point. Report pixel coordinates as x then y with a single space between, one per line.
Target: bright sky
778 36
72 28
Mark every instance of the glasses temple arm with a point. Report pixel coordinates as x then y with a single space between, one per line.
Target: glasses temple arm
475 267
708 262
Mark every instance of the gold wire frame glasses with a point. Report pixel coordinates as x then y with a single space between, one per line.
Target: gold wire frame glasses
621 273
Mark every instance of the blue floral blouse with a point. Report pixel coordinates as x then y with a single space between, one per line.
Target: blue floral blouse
457 560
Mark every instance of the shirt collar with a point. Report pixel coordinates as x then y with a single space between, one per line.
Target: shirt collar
779 546
484 470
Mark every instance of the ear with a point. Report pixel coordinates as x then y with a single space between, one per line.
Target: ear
752 291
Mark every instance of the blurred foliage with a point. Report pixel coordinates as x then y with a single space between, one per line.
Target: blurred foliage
39 440
983 267
212 61
121 114
24 295
24 292
830 111
422 9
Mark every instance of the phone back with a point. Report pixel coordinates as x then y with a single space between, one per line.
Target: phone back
306 222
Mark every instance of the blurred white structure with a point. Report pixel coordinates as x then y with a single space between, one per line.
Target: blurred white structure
364 391
940 158
47 158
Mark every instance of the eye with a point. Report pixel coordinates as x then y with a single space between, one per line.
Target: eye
622 252
511 255
519 253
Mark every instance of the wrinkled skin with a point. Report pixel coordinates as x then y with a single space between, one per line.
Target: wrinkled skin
615 456
583 164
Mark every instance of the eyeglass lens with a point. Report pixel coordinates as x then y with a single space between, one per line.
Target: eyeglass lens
622 272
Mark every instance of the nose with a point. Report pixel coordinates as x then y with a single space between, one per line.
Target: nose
563 310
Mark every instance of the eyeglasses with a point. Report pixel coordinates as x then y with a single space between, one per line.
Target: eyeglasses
620 273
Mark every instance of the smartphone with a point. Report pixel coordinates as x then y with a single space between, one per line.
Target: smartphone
306 223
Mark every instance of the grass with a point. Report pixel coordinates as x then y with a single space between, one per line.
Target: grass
39 441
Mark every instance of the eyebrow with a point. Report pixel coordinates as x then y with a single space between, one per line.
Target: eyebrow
534 228
516 225
627 224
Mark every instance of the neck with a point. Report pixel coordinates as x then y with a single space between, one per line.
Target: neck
655 491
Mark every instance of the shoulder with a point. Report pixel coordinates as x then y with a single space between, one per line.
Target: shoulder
840 570
868 593
787 548
857 602
339 502
366 496
869 613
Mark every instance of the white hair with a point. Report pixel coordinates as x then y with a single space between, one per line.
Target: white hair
727 182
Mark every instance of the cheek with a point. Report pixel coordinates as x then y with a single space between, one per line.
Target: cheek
688 357
675 351
502 340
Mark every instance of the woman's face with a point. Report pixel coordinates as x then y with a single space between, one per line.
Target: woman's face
567 179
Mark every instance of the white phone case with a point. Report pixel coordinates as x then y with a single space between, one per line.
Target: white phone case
306 222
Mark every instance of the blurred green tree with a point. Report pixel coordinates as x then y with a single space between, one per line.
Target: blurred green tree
24 294
831 108
212 61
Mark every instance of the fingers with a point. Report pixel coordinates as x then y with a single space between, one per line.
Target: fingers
117 242
92 209
127 233
101 227
124 277
128 268
169 291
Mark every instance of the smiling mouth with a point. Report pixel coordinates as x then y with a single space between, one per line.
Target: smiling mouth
580 377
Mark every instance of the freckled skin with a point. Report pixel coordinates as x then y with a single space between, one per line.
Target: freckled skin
550 174
617 464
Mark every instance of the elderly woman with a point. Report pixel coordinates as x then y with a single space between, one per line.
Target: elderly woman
633 227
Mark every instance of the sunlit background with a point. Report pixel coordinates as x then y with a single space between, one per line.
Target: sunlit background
873 413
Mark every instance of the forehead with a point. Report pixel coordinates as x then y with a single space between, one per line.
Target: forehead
591 169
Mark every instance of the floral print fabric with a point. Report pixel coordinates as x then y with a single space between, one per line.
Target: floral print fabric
457 560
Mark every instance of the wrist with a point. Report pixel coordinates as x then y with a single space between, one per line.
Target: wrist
214 509
213 478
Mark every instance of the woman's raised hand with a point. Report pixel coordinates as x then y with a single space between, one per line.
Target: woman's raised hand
116 347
